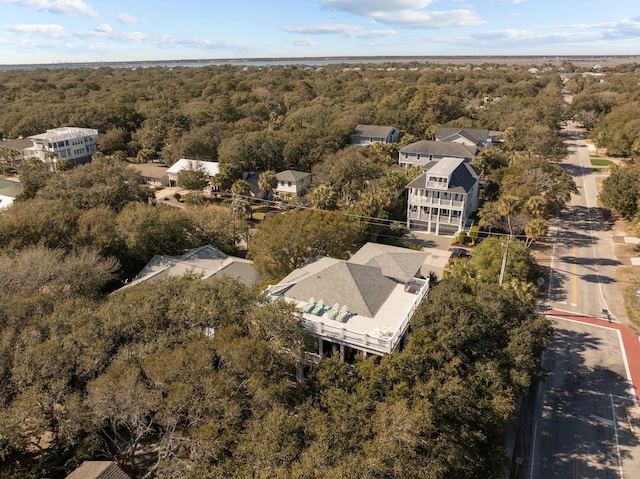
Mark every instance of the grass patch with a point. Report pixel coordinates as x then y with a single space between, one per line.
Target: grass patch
629 280
599 161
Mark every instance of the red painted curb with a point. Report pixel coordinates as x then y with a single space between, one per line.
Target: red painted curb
629 340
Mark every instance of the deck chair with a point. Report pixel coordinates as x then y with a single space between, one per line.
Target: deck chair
318 309
342 315
333 312
310 305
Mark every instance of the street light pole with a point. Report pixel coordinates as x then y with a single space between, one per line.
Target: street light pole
504 261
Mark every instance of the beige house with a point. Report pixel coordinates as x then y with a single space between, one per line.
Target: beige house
153 174
293 183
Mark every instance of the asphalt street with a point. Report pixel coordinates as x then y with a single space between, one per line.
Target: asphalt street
583 265
576 423
580 423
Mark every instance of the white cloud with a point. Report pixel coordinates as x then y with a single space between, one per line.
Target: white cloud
302 42
366 8
513 37
105 27
420 19
506 1
48 30
64 7
405 13
629 28
168 41
128 18
107 34
349 31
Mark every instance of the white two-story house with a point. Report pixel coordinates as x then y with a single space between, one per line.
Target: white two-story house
292 183
66 143
442 199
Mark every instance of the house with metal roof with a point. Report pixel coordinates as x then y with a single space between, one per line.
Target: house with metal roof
364 304
98 470
205 261
424 151
365 135
210 168
9 190
442 199
292 183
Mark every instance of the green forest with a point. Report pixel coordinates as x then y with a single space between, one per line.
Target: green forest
89 372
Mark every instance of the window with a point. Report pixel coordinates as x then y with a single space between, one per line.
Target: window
288 183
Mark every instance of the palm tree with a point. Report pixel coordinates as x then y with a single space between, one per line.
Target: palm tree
242 207
324 197
535 229
537 206
8 155
507 207
240 188
267 182
50 155
459 269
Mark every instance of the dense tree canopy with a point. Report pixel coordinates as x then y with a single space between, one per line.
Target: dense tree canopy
288 241
191 378
621 190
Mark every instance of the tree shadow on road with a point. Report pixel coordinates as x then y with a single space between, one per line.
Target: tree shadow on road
590 261
578 419
555 290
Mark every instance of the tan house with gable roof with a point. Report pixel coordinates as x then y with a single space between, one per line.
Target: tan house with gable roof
364 304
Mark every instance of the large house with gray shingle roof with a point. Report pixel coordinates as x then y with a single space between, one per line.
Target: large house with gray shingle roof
424 151
365 135
442 199
364 304
478 137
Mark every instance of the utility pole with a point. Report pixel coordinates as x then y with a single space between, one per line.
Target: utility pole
504 261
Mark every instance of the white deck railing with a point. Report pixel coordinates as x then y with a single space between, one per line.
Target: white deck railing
440 219
364 340
427 200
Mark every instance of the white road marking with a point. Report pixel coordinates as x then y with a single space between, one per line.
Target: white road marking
608 422
615 428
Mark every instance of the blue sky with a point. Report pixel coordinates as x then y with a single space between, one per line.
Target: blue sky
47 31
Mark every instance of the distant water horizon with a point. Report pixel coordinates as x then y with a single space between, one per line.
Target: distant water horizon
324 61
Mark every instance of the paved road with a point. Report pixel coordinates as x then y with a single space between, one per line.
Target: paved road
578 419
580 425
583 263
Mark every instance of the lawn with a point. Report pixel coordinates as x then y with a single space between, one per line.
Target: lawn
599 161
